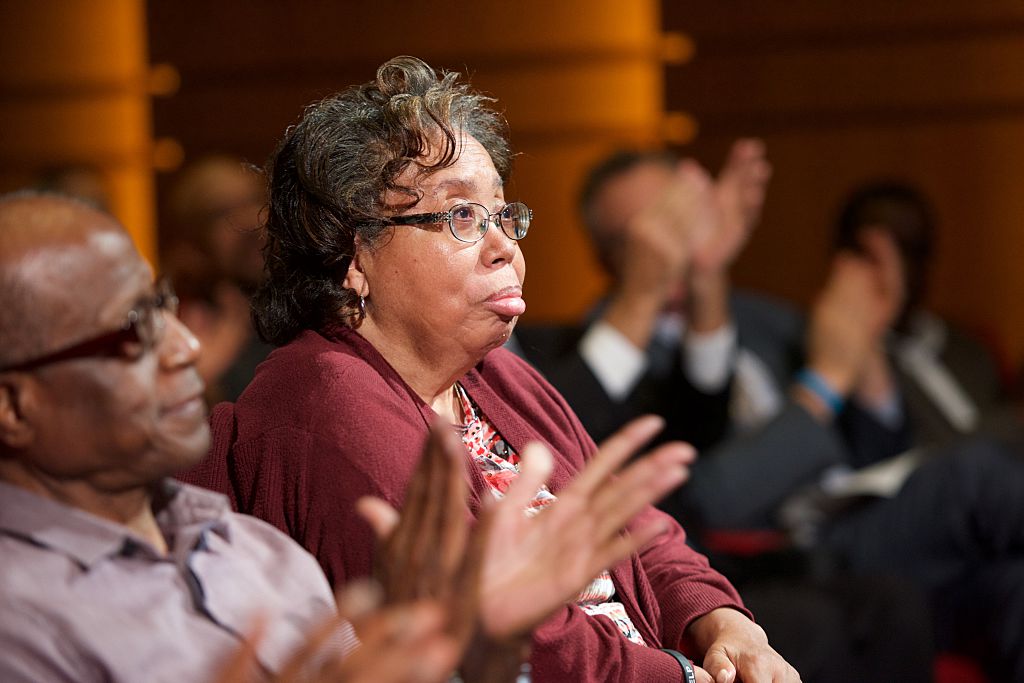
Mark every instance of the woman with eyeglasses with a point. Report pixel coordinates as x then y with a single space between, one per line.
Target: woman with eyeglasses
394 277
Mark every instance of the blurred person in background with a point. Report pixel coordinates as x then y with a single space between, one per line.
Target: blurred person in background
80 181
211 249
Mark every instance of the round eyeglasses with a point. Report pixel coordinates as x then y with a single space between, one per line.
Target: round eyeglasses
469 222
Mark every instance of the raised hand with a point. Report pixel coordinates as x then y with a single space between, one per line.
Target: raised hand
861 298
423 552
739 193
513 571
531 566
657 248
877 384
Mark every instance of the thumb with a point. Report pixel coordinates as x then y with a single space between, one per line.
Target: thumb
720 667
382 517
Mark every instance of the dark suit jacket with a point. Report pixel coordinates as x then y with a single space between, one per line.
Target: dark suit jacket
691 415
740 479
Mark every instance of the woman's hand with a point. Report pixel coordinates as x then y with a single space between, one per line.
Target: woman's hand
736 649
523 568
532 566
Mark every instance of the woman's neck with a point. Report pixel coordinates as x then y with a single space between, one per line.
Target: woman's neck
431 374
448 407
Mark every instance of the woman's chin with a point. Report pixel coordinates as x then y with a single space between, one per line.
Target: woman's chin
501 334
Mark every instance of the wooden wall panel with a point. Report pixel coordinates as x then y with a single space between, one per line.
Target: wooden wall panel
572 77
843 92
74 91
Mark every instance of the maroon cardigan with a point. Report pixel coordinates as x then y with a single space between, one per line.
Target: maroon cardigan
327 420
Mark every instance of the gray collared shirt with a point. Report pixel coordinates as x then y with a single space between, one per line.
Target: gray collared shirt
85 599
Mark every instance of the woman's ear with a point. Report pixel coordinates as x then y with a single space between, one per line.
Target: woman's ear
355 278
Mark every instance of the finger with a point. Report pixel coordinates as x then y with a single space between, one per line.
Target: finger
615 450
429 658
535 467
624 545
357 599
882 249
747 148
400 624
641 484
382 518
242 664
447 501
301 658
431 535
702 675
404 547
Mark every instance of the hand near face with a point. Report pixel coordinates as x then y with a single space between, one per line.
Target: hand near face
660 238
405 644
881 250
859 301
656 250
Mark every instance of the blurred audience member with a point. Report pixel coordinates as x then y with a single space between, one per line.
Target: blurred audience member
660 341
212 251
931 382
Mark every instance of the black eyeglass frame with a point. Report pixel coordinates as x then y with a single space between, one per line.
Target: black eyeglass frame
447 217
144 325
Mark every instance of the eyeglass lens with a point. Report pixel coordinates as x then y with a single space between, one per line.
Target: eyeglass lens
148 318
470 221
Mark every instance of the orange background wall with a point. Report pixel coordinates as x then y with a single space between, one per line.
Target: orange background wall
573 79
74 91
840 91
931 92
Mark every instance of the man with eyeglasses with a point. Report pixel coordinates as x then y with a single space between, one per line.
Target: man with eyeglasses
110 571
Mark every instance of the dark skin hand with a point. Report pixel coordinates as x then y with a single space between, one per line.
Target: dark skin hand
430 550
401 644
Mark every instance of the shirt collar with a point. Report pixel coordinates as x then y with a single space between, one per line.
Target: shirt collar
926 334
87 539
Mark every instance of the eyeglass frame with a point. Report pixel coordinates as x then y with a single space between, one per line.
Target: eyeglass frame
446 217
111 344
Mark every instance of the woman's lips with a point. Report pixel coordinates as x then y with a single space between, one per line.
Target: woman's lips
507 302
